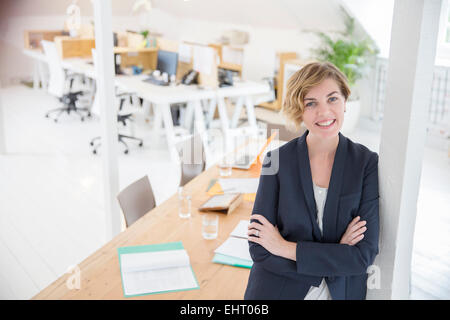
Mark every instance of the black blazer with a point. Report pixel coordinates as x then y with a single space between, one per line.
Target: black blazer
285 197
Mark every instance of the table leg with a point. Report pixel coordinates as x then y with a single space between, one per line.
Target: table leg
170 132
199 120
251 114
158 120
211 110
42 75
237 112
225 124
188 116
35 75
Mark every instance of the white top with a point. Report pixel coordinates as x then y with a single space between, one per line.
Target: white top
321 292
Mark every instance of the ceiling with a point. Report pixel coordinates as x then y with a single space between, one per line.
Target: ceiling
321 14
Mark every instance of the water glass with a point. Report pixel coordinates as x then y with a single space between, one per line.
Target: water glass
225 167
184 203
210 226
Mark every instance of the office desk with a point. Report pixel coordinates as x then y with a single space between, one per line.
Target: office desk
100 273
244 91
162 96
80 66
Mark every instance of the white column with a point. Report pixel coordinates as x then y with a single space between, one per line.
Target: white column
2 130
408 88
108 113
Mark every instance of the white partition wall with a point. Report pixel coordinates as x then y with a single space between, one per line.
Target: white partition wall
411 61
108 113
2 130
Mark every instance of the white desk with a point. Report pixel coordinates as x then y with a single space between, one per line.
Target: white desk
162 96
80 66
244 91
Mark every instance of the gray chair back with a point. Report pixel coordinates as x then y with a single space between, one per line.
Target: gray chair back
192 158
136 200
283 133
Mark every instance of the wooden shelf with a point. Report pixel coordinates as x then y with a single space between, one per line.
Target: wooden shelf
33 38
130 50
231 66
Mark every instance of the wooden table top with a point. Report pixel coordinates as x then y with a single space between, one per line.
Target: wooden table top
100 272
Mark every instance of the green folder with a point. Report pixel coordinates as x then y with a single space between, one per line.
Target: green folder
232 261
152 248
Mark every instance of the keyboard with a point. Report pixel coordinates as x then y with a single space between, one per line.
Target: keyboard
156 81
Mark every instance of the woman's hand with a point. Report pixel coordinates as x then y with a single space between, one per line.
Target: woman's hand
268 236
354 233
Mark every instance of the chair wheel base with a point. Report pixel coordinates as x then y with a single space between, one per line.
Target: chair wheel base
141 144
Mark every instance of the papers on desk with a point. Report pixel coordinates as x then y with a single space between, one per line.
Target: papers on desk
203 59
249 185
235 250
240 231
155 268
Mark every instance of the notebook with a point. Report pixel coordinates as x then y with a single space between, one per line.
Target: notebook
156 268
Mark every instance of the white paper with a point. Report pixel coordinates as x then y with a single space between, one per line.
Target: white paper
231 55
143 261
235 247
240 231
239 185
203 59
184 52
150 272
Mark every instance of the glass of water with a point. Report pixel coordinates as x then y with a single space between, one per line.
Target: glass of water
184 203
210 226
225 167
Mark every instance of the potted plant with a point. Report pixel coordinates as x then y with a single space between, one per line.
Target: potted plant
353 55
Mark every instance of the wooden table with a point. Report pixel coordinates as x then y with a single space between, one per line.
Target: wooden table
100 274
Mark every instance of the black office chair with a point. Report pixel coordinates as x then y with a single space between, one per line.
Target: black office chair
123 118
69 105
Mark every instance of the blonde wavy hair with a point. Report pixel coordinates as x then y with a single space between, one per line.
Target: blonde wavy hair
301 83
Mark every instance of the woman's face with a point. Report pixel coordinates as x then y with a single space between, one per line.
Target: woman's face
324 109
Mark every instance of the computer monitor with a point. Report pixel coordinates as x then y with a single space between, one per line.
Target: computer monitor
167 62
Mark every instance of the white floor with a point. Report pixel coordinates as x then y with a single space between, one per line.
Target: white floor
51 207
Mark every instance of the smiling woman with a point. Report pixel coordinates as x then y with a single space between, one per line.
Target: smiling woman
312 80
315 226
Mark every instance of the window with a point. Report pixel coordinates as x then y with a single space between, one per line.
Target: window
443 49
447 26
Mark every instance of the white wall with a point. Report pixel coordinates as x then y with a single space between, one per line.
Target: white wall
259 54
375 16
266 37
